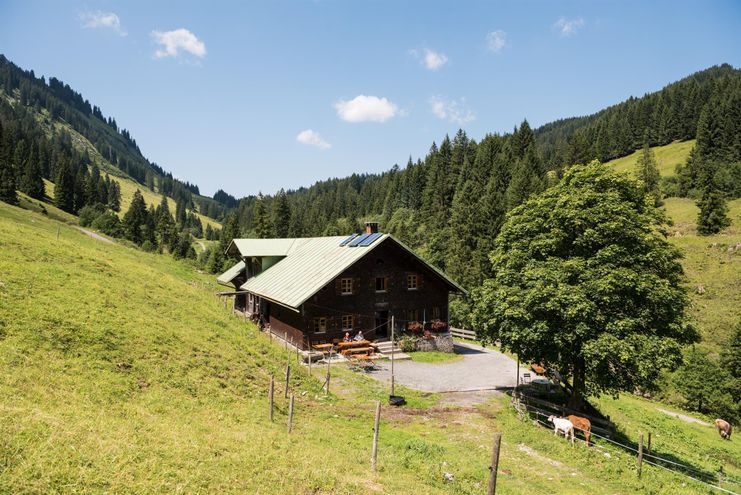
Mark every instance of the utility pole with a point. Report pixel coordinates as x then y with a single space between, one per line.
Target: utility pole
392 354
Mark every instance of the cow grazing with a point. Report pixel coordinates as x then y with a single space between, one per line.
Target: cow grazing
724 428
562 425
582 424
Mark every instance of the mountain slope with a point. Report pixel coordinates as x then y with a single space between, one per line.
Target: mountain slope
57 107
124 374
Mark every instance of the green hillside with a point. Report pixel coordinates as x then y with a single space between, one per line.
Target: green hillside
123 373
667 157
713 262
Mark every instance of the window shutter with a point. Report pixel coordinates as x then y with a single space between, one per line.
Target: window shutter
420 281
388 283
356 285
338 286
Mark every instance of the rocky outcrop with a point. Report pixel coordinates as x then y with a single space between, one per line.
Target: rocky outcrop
442 343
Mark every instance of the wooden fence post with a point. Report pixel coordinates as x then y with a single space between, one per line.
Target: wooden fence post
374 452
270 395
494 464
288 376
309 344
648 447
640 454
290 414
329 360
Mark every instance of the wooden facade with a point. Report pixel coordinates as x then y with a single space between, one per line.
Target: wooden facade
333 311
388 281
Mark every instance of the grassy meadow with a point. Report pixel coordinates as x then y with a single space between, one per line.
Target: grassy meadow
123 373
707 259
667 157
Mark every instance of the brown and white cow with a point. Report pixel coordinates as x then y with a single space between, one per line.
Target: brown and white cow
581 424
724 428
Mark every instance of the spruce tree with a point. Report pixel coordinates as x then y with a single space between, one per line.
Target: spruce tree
281 215
713 215
261 222
647 172
135 220
7 182
64 186
32 182
114 194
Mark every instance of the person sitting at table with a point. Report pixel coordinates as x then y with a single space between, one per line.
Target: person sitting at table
346 338
359 336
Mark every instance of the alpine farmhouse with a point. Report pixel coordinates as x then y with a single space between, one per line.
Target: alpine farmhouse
314 290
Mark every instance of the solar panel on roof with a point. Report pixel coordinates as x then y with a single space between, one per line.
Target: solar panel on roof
358 240
350 238
370 239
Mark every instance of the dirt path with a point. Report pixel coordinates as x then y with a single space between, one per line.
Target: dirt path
684 417
95 235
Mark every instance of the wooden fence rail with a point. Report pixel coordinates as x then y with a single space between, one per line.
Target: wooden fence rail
462 333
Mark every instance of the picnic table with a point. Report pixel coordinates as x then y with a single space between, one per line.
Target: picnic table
324 348
342 346
358 350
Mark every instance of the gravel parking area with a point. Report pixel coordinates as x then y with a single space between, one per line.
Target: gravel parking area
481 369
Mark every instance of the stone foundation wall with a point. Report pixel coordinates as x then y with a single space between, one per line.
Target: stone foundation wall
442 343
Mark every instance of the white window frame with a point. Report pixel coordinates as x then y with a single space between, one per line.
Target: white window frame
412 277
385 285
345 318
320 324
343 289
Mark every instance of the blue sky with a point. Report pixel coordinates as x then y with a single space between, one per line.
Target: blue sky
253 97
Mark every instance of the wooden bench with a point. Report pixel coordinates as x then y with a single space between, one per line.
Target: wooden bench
357 350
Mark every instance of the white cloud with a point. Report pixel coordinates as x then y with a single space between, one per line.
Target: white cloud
364 108
312 138
568 27
434 60
173 42
102 20
451 110
496 40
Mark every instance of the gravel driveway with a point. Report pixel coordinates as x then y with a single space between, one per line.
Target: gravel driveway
480 369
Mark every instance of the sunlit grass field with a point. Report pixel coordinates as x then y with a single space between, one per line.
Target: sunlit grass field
667 157
122 373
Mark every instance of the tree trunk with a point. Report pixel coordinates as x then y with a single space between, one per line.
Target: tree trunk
576 401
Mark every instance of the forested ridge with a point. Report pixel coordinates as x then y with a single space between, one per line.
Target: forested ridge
27 97
450 204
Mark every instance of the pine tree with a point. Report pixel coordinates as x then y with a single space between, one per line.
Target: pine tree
7 181
135 220
281 214
114 194
165 225
64 186
261 222
713 215
647 172
34 182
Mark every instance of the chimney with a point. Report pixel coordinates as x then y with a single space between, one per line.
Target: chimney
371 227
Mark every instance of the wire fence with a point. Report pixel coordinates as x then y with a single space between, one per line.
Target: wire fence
678 468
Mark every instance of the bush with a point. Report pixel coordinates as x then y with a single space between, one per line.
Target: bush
406 344
108 223
89 213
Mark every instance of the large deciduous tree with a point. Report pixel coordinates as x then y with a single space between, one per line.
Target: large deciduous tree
585 282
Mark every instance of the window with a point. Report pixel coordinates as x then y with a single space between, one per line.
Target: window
320 325
345 286
381 284
412 281
347 322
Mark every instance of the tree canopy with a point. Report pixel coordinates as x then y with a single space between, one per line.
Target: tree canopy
585 282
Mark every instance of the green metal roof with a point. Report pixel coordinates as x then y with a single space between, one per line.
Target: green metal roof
231 273
261 247
310 264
